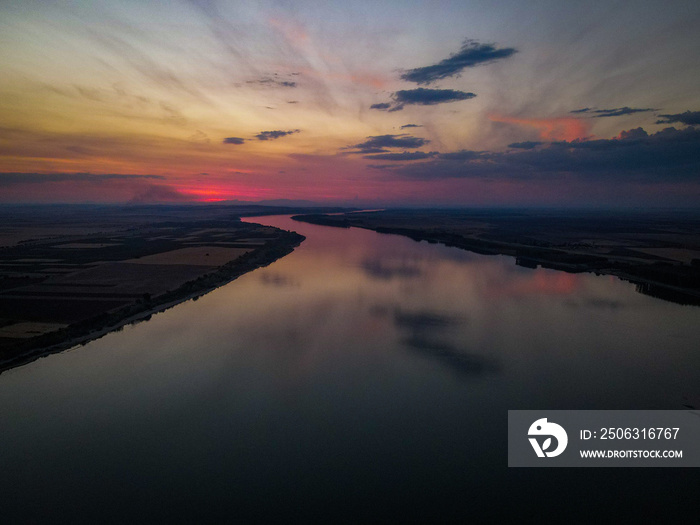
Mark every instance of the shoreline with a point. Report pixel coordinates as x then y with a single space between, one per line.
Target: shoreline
531 257
83 332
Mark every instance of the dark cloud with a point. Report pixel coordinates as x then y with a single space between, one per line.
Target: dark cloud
10 179
471 54
383 166
633 134
269 135
406 155
411 126
612 112
233 140
378 143
689 118
429 97
617 112
461 155
273 82
372 150
529 144
670 155
421 97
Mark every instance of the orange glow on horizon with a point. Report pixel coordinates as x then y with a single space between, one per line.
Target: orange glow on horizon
551 129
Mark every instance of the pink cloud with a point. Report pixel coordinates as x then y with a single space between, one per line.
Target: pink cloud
551 129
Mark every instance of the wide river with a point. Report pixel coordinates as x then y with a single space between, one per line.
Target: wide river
362 377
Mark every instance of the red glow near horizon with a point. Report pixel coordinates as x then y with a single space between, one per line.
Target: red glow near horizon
557 128
223 193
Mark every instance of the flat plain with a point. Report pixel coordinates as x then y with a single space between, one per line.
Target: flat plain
67 272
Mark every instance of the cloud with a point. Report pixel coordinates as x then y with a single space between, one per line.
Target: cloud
668 156
406 155
633 134
270 135
617 112
556 128
689 118
529 144
613 112
10 179
273 82
430 97
378 143
470 55
411 126
233 140
199 137
461 155
421 97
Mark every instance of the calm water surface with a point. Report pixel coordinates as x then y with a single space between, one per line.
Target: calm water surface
364 377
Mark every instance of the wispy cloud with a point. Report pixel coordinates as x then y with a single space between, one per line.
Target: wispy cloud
273 81
471 54
234 140
556 128
613 112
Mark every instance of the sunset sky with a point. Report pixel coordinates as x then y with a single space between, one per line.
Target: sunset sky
475 103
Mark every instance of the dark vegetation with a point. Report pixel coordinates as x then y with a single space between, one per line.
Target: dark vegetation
656 251
70 274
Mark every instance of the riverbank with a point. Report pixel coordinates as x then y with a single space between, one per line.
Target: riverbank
26 351
659 254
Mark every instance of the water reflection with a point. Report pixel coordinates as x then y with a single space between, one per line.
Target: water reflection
277 279
361 372
460 361
388 268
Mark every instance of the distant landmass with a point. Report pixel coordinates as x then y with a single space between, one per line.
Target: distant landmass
657 251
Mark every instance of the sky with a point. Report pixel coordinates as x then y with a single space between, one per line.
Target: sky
367 103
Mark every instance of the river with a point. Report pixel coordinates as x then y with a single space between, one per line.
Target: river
362 377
